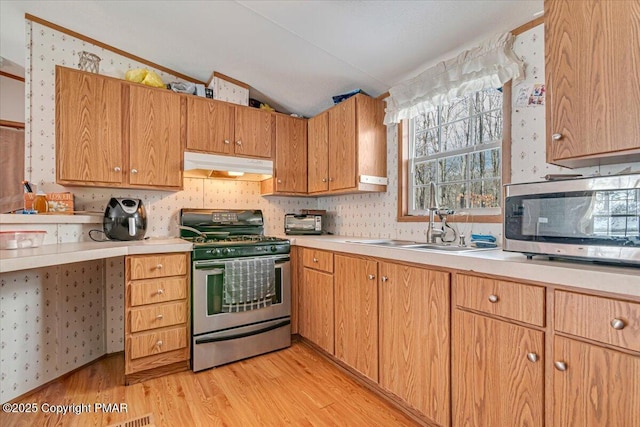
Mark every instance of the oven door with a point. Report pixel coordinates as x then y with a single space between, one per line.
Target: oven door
209 312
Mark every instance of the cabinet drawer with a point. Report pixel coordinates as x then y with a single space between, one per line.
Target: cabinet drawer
601 319
511 300
318 260
157 290
151 343
158 316
149 266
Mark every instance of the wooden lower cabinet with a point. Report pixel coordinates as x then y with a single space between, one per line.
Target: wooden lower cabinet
498 373
356 313
597 387
316 308
415 337
156 315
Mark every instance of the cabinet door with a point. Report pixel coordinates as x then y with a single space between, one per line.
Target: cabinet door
210 125
342 145
155 137
415 337
592 98
599 387
88 128
291 155
316 309
253 132
494 382
318 157
356 320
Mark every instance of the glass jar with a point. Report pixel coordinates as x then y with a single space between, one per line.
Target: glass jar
40 203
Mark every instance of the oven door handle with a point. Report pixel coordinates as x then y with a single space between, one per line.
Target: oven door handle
244 334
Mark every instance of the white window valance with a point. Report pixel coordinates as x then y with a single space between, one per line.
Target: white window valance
489 65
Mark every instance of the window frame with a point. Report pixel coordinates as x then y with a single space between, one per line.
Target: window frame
404 172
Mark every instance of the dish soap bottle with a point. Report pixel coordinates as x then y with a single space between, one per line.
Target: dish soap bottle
40 202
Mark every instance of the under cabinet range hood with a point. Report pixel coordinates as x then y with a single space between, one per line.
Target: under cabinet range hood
201 165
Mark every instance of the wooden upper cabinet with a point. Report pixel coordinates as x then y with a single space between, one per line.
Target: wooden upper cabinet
253 132
88 128
291 155
415 337
356 313
495 383
113 133
597 387
318 158
593 81
210 126
342 145
348 148
156 120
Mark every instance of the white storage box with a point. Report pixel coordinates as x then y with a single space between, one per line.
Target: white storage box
228 89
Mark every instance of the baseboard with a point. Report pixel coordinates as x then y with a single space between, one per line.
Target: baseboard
160 371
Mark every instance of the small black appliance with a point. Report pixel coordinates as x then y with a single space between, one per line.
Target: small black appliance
125 219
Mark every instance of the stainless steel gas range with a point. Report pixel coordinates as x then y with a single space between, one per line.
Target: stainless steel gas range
240 286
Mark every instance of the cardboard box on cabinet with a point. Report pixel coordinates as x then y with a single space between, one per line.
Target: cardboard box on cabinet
229 90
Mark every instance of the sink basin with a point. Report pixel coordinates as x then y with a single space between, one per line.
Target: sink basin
405 244
384 242
446 248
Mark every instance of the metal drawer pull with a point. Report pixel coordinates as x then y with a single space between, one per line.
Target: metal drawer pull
160 291
560 366
618 324
371 277
117 169
159 316
159 266
159 343
556 136
385 278
324 179
239 142
315 260
532 357
226 141
134 170
493 298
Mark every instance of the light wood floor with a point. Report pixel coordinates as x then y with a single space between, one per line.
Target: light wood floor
294 387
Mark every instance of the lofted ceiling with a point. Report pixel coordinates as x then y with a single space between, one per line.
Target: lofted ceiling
293 54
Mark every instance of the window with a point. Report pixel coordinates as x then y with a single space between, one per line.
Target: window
458 146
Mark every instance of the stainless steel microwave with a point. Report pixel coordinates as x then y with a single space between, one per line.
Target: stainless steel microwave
587 218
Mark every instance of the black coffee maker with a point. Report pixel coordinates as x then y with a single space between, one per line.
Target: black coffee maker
125 219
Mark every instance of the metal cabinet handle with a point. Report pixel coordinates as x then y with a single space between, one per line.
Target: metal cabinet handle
324 179
159 266
117 169
279 181
159 316
493 298
532 357
238 142
226 141
560 366
134 170
160 291
330 179
315 260
371 277
556 136
159 343
385 278
618 324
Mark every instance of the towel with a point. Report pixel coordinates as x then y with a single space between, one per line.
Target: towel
248 284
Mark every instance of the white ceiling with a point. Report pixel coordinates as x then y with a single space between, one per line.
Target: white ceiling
296 54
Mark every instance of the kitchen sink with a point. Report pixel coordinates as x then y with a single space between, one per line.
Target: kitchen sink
384 242
405 244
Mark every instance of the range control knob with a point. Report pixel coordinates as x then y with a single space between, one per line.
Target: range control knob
225 251
216 251
273 248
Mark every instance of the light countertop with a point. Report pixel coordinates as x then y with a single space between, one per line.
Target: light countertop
66 253
584 275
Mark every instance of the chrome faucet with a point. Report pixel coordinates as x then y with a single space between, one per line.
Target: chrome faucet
433 233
